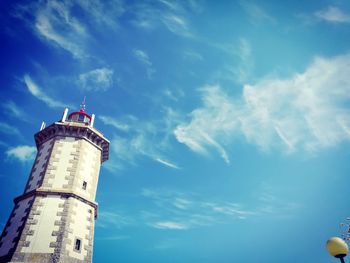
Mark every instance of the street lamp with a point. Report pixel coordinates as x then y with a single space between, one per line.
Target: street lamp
337 248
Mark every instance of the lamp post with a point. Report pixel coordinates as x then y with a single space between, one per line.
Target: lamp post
337 248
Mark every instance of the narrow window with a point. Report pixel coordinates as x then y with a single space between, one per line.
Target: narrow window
84 185
77 244
81 118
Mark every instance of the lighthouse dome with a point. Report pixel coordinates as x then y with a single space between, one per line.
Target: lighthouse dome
81 115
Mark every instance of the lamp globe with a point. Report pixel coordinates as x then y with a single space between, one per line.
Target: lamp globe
337 247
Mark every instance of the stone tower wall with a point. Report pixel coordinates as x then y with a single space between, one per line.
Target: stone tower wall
13 228
42 221
39 167
72 162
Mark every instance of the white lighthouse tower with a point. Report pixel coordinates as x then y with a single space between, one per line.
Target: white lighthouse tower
53 220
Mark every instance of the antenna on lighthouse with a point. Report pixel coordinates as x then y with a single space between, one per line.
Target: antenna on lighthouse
64 116
43 125
92 120
83 105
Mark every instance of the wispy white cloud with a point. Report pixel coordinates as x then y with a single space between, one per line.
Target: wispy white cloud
169 225
243 71
273 205
100 79
167 163
3 144
146 17
123 153
189 210
57 22
128 150
176 24
109 219
13 109
114 164
155 194
303 111
231 209
168 199
181 203
333 14
133 147
103 13
167 244
256 13
299 113
39 94
148 139
209 123
114 122
55 16
173 210
174 94
143 57
172 15
172 5
111 238
192 55
166 209
22 152
239 67
195 5
8 129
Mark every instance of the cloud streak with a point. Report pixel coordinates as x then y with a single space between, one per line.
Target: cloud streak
170 225
208 123
333 14
243 71
166 209
13 109
171 15
23 153
143 57
39 94
181 211
8 129
231 209
304 112
112 219
140 139
256 13
57 22
167 163
100 79
114 122
54 16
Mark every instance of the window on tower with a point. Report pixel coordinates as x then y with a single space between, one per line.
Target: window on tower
84 185
77 244
81 118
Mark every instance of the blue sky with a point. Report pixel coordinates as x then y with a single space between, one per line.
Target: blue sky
229 121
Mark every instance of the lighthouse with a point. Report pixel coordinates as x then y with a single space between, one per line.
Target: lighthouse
53 220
